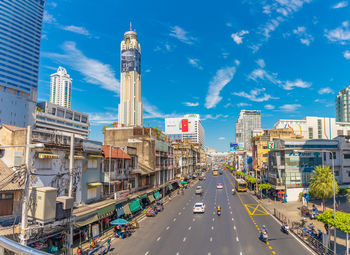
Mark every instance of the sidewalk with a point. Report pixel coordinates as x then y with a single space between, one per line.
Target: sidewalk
291 210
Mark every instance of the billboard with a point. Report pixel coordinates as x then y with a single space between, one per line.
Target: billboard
240 147
179 126
130 60
233 146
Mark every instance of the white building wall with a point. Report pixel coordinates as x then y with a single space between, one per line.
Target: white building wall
61 88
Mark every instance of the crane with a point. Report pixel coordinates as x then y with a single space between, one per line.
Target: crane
114 124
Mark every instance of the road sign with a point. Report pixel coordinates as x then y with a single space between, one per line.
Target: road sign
271 145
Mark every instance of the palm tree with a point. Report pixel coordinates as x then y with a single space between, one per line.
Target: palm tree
321 184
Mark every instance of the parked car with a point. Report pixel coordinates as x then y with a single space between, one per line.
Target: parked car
199 190
199 207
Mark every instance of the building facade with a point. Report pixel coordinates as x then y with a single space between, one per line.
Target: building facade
130 110
20 37
245 124
52 117
61 88
315 127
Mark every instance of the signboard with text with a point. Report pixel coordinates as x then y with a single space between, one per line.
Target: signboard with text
179 126
271 145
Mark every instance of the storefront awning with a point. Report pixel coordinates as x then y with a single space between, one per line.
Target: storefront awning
112 182
151 198
106 211
46 155
157 195
94 184
143 196
120 212
126 209
135 205
86 221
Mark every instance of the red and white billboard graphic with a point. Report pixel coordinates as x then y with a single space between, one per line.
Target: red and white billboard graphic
184 125
179 126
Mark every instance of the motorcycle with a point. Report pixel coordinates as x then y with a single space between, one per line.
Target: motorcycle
233 192
219 213
285 229
264 236
313 216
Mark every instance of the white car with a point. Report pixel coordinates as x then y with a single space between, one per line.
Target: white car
219 186
199 208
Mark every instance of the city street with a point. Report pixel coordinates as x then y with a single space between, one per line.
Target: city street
177 231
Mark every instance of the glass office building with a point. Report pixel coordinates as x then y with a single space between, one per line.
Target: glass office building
20 36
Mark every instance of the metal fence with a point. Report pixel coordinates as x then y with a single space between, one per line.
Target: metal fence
298 229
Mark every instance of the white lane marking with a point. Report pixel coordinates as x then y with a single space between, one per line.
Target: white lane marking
158 239
231 212
174 219
211 239
229 207
237 239
147 253
213 219
178 253
194 220
189 228
233 219
209 253
213 212
234 227
212 227
241 253
167 228
184 240
183 208
179 213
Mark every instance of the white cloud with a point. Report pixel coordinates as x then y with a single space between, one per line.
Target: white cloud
52 4
213 117
261 63
269 107
228 24
94 71
289 85
221 138
340 5
195 63
289 107
77 30
237 62
254 95
102 118
340 34
304 37
48 18
347 54
326 90
191 104
182 35
238 37
243 104
279 11
218 82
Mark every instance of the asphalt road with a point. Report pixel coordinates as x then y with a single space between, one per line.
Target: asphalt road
177 230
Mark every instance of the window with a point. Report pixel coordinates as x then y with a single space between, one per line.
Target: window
349 174
346 156
311 133
92 163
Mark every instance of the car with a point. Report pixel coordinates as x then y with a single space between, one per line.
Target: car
220 172
199 190
199 207
219 186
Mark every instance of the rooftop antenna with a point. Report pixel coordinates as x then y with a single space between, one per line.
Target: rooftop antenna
130 26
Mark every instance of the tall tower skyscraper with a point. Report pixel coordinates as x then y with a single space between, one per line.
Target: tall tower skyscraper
247 121
343 105
20 37
130 110
61 88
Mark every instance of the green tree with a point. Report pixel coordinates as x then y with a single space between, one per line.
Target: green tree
321 184
240 174
251 180
264 186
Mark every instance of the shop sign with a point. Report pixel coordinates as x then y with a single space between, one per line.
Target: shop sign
95 230
120 194
271 145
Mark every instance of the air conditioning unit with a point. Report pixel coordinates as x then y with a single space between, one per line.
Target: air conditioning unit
42 204
68 202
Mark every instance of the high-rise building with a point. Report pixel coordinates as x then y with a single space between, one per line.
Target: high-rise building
245 125
20 36
61 88
343 105
130 111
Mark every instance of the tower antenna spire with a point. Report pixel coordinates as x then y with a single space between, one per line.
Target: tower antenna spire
130 26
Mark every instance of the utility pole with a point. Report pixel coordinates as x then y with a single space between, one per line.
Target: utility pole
23 236
109 171
70 192
334 203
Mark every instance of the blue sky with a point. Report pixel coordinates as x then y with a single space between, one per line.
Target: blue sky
287 58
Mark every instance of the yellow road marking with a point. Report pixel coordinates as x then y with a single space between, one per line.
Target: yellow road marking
270 247
273 252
